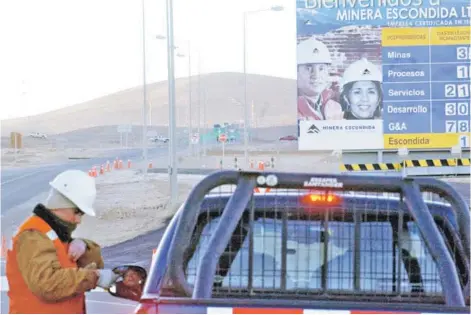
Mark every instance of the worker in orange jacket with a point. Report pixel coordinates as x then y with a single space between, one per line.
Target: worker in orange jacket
48 271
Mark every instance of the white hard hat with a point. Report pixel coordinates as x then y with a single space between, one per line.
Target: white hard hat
78 187
313 51
362 70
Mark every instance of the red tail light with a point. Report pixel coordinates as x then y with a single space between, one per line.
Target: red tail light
321 199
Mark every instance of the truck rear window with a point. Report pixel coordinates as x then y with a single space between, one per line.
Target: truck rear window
325 252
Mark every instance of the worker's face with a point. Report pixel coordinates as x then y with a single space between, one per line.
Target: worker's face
131 278
313 79
363 98
71 215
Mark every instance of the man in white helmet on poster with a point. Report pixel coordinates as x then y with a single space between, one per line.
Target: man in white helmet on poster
318 96
361 93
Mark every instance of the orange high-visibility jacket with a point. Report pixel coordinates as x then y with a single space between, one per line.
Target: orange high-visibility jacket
22 300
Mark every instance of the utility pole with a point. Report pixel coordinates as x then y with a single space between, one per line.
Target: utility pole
204 120
150 114
190 132
199 105
173 168
144 109
246 110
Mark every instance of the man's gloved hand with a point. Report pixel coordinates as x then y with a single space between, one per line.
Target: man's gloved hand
90 266
76 249
106 278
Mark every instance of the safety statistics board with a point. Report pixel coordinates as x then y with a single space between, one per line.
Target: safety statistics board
383 74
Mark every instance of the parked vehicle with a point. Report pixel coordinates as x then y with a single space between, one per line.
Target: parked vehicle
288 138
159 139
38 135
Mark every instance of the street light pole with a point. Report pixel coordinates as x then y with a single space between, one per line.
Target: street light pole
161 37
190 132
205 125
144 109
199 106
173 169
246 111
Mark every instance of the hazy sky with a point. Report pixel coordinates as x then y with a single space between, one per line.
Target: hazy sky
57 53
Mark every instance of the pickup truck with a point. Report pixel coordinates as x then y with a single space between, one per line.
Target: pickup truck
159 139
38 135
312 243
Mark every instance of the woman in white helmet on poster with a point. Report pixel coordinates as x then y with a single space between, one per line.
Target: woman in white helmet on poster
361 93
318 96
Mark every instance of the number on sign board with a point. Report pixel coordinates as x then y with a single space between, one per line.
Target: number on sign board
452 109
450 126
462 72
464 141
463 109
450 90
463 53
463 126
463 90
454 126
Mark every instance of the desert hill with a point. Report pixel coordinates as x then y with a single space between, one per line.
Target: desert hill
274 104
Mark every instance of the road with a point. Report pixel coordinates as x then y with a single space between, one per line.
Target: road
36 179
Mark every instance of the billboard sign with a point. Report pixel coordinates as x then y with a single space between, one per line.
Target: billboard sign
383 74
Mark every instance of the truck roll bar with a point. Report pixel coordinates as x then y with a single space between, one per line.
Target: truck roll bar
411 188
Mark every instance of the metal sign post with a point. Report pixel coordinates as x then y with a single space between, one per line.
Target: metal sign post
16 146
403 153
456 152
223 139
127 129
172 152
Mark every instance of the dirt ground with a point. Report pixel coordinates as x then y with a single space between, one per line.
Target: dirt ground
130 203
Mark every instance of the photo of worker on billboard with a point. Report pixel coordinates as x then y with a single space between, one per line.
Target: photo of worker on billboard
318 94
361 92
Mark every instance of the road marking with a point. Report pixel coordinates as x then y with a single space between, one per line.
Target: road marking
20 177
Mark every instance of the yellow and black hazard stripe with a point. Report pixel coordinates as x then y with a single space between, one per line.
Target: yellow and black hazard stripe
438 162
370 167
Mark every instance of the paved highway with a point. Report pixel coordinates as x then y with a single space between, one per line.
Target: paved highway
20 185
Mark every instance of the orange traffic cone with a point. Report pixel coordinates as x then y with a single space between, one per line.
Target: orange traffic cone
4 247
261 165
